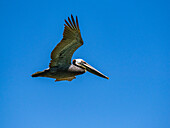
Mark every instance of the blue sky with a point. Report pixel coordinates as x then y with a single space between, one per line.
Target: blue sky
126 40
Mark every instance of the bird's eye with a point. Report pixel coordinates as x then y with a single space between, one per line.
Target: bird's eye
74 61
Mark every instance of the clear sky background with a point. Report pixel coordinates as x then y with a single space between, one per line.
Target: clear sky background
128 41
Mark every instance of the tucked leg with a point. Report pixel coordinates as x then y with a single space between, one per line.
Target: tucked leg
68 79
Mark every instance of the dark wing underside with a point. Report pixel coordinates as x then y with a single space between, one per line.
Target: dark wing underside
63 52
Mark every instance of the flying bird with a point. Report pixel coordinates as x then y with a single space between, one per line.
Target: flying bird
60 67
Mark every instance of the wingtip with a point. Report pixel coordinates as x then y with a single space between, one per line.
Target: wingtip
77 23
73 21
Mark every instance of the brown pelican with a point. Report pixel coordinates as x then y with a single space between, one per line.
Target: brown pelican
60 66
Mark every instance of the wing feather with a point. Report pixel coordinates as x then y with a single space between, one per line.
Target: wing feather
73 20
63 52
71 23
77 22
67 23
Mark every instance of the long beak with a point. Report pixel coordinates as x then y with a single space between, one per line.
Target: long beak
93 70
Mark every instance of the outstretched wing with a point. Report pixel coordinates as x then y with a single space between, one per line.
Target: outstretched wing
63 52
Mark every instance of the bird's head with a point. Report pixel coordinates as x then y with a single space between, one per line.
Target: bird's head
82 64
79 63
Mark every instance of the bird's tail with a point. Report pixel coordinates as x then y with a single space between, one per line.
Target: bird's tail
37 74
